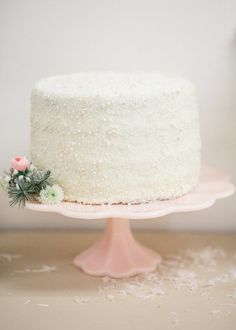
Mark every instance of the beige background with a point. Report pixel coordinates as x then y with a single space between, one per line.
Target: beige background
196 39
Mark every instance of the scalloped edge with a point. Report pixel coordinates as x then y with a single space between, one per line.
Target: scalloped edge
213 184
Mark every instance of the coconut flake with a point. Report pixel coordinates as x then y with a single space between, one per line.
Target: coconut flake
110 297
43 269
9 257
83 300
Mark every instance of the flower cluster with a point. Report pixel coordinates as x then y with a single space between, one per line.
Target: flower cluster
25 182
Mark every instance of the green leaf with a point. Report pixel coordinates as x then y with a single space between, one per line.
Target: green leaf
26 186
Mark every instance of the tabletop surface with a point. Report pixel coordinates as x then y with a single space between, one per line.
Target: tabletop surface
194 288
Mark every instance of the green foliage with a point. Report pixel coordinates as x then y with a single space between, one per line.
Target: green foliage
25 186
40 178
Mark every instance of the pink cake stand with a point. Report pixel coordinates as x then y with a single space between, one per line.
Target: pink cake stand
117 254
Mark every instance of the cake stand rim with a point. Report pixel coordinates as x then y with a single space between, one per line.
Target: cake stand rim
202 198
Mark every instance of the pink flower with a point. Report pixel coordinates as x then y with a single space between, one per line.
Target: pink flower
19 163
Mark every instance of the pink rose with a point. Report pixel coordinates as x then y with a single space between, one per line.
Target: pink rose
19 163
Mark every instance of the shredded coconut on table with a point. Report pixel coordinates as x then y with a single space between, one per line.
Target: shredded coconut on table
141 286
83 300
179 271
110 297
215 312
186 270
9 257
43 269
205 258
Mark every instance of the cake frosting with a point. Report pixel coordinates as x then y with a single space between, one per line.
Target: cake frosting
117 137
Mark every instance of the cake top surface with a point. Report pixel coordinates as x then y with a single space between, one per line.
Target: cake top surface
110 84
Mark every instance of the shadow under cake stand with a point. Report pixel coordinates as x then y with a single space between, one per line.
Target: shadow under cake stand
117 254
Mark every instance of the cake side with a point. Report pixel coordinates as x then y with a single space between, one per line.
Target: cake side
117 138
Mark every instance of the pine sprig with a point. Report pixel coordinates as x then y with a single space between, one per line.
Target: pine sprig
24 182
19 196
26 186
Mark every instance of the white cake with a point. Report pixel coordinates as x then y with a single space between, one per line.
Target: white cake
117 137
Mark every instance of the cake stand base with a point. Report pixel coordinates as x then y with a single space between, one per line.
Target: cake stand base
117 254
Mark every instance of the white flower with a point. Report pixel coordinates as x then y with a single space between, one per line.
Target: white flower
15 172
4 181
51 195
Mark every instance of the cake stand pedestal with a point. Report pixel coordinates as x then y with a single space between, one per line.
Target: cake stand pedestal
117 254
